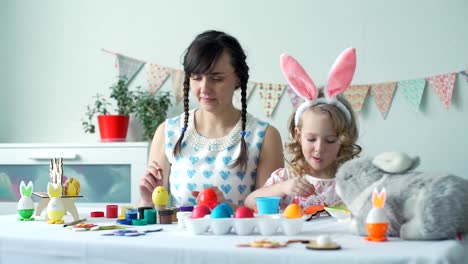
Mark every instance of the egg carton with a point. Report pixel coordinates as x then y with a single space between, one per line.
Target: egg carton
265 225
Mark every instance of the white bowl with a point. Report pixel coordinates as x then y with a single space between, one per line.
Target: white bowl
197 226
268 224
340 214
292 226
221 226
244 226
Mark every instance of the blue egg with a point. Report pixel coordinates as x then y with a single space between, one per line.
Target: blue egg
228 208
220 211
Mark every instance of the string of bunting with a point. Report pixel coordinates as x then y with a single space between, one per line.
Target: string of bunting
271 93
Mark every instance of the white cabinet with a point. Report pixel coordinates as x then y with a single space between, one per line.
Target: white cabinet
108 172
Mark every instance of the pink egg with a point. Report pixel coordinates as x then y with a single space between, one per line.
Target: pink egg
200 211
243 212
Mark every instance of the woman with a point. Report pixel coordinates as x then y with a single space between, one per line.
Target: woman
216 145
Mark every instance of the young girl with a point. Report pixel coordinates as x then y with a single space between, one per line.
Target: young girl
323 132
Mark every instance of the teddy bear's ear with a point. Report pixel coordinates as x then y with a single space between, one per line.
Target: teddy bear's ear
393 162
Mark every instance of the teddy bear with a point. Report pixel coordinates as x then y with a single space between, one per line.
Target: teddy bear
419 205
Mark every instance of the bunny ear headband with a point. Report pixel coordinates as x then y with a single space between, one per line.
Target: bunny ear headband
339 78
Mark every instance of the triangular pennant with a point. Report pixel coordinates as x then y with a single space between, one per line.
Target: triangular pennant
128 67
296 100
356 95
270 94
465 75
177 77
383 93
443 85
156 75
236 99
413 90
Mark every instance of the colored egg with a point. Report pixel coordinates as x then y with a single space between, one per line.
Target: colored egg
208 197
220 211
293 211
243 212
200 211
228 208
160 196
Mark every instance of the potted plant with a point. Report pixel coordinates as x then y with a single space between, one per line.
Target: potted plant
112 127
150 109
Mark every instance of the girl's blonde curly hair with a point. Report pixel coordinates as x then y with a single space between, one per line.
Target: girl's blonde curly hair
347 134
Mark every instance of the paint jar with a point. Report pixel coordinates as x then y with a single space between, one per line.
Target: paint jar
141 211
150 216
112 210
165 216
131 214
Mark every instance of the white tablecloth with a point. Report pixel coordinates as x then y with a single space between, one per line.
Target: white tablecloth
38 242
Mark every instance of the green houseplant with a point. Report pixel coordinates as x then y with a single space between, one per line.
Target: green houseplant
150 110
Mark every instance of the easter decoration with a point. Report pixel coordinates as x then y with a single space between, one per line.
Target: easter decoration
26 204
418 205
208 197
160 198
71 187
377 221
323 242
55 207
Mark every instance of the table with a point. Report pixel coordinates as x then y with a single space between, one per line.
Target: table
38 242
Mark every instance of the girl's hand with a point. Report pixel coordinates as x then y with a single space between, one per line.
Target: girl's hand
151 180
298 186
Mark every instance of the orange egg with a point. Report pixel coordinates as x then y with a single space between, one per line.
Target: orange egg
293 211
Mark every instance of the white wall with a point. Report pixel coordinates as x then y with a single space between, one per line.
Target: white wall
52 64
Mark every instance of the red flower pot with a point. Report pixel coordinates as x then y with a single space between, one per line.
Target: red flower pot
113 128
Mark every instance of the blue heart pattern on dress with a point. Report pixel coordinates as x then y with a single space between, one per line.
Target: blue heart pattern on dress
183 145
259 145
207 174
207 185
192 200
173 121
177 186
253 175
262 123
191 186
241 188
261 134
191 173
240 175
170 133
194 159
210 160
231 148
224 174
226 160
226 188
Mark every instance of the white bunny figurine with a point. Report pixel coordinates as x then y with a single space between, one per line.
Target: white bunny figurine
55 208
26 204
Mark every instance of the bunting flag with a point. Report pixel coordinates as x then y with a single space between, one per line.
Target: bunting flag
236 99
177 77
443 85
413 90
270 94
295 99
383 93
156 75
465 74
128 67
356 95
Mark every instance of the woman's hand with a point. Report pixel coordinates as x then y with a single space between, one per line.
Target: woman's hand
151 180
298 186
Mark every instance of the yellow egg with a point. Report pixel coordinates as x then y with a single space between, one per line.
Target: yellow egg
293 211
160 196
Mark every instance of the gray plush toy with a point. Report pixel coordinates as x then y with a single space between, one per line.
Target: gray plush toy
419 205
